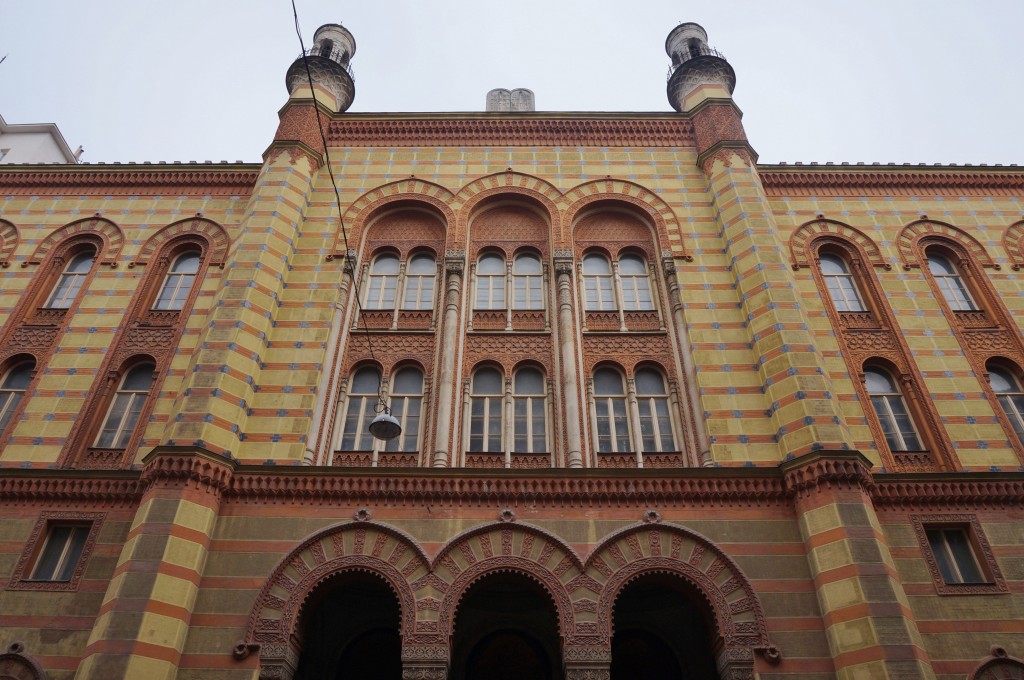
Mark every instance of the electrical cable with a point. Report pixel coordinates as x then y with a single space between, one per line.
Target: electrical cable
349 266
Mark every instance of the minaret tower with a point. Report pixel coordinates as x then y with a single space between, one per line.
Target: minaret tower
694 63
329 64
836 515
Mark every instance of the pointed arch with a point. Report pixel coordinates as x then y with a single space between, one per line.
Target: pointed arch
915 232
216 237
9 240
801 243
508 182
109 233
412 190
657 547
505 547
1013 242
366 546
665 221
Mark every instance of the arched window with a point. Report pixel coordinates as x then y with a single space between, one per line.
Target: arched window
383 288
490 282
840 283
406 402
362 404
636 286
126 407
486 422
610 411
1008 390
655 415
527 282
950 283
597 283
12 390
530 412
70 281
179 282
891 409
419 282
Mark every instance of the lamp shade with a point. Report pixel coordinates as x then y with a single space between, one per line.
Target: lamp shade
385 426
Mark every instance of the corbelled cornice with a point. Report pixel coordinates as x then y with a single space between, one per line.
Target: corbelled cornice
544 129
834 180
222 179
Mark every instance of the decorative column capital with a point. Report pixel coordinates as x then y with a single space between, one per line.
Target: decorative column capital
187 465
455 262
810 472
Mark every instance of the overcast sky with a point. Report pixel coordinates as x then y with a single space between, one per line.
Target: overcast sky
902 81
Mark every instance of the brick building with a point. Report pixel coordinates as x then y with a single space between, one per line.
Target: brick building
662 408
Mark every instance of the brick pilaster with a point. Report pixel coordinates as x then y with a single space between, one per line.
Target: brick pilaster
143 622
805 415
871 630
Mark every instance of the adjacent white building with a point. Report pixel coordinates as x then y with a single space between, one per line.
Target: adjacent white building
34 143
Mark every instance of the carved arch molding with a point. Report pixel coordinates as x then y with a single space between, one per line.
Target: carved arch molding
998 665
15 664
582 590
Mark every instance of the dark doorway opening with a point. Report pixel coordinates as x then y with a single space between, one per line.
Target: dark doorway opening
351 629
506 628
660 633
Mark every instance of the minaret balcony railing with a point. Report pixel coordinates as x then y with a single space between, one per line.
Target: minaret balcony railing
339 57
692 52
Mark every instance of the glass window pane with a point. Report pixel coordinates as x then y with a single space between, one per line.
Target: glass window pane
421 264
596 264
487 381
830 264
632 265
73 553
385 264
940 266
878 382
608 381
187 264
526 264
649 382
491 264
366 381
963 554
408 381
942 557
529 381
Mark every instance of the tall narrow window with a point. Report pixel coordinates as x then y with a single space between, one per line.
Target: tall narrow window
70 282
954 555
655 418
486 411
597 283
126 407
12 390
1011 397
178 284
490 282
951 284
406 401
841 286
636 286
610 406
60 554
527 282
361 410
419 283
530 412
383 288
891 409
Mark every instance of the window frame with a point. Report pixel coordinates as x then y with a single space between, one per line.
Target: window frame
405 278
362 416
610 401
950 284
652 400
495 283
75 255
402 414
980 550
527 280
379 305
491 400
532 402
890 416
36 544
193 276
121 433
9 411
848 276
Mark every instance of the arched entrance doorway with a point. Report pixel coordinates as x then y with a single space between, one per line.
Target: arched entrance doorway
350 628
660 633
506 628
